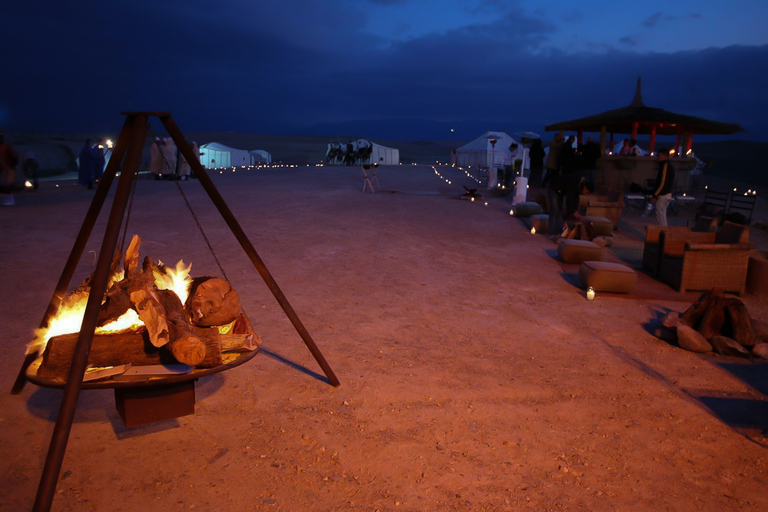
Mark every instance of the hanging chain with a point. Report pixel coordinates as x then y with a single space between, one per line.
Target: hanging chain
202 231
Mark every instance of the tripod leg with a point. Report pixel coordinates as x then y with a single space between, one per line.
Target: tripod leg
245 243
74 383
78 247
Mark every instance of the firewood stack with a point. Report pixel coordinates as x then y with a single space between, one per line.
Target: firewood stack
720 324
195 333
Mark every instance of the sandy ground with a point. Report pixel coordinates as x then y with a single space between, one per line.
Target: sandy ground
474 374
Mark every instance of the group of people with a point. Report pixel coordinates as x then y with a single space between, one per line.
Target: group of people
166 161
570 173
350 153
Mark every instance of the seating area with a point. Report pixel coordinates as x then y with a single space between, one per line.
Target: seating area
704 260
710 251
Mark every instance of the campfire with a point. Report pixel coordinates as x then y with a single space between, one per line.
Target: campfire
151 314
720 324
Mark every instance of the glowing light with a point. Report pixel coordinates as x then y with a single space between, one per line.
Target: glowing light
533 231
590 293
28 184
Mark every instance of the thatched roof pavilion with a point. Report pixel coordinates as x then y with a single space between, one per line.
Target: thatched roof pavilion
637 118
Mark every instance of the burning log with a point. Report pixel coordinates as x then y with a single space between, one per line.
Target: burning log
212 301
134 347
157 294
106 350
183 342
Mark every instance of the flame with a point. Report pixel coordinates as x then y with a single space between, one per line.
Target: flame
177 280
69 317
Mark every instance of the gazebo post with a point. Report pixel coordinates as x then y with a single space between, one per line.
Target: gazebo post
688 142
611 150
677 141
603 135
652 144
635 126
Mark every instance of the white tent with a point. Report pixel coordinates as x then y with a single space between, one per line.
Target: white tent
482 153
259 156
214 155
384 155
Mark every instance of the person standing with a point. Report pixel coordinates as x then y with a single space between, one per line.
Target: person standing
9 159
536 155
590 153
551 181
568 156
156 159
662 190
87 163
169 159
185 170
99 160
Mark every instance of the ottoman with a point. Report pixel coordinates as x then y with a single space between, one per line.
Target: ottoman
525 209
540 222
600 225
577 251
604 276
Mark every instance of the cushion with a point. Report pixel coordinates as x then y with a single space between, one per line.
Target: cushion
705 224
576 251
526 209
604 276
600 225
540 222
729 233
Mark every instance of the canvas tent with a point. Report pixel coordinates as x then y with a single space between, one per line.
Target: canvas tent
384 155
259 156
214 155
482 153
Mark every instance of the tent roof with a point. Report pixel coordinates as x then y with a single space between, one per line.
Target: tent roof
482 143
219 147
621 120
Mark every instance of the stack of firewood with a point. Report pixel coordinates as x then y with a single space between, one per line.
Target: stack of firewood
194 333
720 324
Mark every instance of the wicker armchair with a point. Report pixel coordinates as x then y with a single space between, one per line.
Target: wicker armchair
712 260
651 254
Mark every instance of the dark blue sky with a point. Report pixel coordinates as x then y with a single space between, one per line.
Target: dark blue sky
398 69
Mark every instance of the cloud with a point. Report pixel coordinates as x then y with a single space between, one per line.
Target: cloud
240 68
652 20
628 41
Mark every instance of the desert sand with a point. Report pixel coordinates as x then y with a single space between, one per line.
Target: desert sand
474 373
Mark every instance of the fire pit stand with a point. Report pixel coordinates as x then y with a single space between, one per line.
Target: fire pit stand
147 399
129 146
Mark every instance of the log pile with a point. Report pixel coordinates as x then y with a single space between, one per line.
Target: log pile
721 324
195 333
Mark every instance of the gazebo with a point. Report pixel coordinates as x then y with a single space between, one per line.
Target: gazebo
636 118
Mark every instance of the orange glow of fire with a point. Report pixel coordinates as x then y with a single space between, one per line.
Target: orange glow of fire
175 279
69 318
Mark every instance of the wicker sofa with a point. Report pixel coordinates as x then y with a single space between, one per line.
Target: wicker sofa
651 254
709 260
